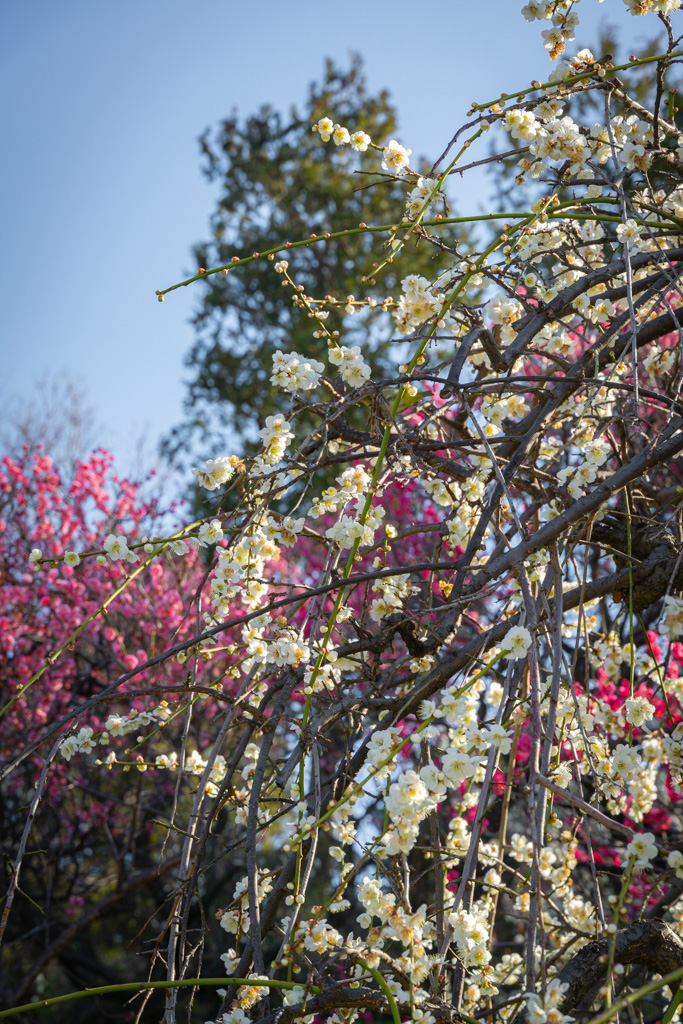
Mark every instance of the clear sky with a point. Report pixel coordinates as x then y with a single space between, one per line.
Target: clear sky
102 191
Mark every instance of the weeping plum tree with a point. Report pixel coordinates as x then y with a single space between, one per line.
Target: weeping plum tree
432 719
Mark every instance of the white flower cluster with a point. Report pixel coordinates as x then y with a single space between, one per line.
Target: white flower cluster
347 530
327 129
516 642
408 802
659 361
84 741
638 710
236 920
294 373
553 138
249 995
380 748
546 1009
471 934
81 742
640 7
225 583
595 453
414 931
564 22
352 367
521 124
327 676
353 483
318 936
504 311
457 767
217 472
675 861
625 762
284 530
210 533
285 647
631 136
276 437
418 302
565 19
293 996
395 158
195 764
419 197
394 591
629 235
671 623
121 725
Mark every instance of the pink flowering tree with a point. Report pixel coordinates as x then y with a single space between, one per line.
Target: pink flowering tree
398 728
69 637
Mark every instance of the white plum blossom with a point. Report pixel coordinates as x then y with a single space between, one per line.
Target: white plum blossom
638 710
407 803
457 767
538 10
81 742
522 124
324 127
360 141
352 367
295 373
625 762
210 533
546 1009
340 135
516 642
116 546
276 436
395 157
418 303
643 848
419 197
216 472
672 617
504 311
640 7
629 234
498 736
675 861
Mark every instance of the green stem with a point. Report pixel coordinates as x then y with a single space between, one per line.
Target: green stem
385 988
673 1006
144 986
613 937
578 78
374 228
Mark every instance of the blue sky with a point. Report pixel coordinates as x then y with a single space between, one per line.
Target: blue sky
103 194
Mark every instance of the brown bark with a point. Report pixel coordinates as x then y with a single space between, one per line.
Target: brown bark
649 944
